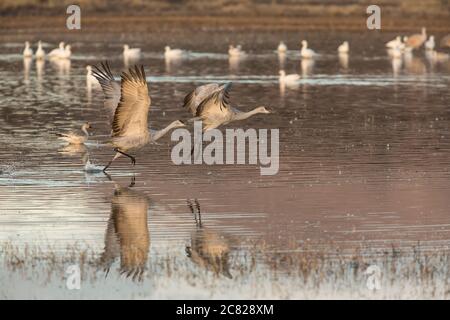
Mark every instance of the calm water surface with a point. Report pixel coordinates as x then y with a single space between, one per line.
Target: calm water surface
364 149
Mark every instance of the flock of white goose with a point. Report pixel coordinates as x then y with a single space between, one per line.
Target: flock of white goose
62 52
406 44
397 49
129 100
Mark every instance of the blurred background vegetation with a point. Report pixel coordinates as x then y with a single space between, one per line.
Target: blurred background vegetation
392 8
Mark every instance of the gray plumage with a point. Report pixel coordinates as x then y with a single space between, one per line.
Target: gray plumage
110 87
210 103
130 123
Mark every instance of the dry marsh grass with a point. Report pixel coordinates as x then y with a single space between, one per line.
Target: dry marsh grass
257 272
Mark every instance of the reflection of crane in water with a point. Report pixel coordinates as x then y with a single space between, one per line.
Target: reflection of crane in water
208 249
127 232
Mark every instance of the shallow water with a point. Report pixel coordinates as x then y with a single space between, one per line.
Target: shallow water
364 150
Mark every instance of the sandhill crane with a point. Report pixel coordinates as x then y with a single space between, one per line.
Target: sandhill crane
58 52
172 53
305 52
208 249
394 43
127 233
282 48
27 52
210 104
429 44
110 87
75 137
445 41
131 53
344 47
130 123
417 40
40 53
288 79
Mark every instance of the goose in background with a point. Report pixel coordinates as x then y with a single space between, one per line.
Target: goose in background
173 53
235 51
394 43
130 123
416 40
66 54
395 52
127 234
402 45
288 79
430 44
76 137
58 52
208 249
282 48
305 52
40 53
27 52
131 53
210 104
343 60
344 47
91 81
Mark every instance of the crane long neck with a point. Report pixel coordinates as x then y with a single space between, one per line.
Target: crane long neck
85 131
244 115
160 133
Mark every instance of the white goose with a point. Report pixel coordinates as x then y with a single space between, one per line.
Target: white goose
27 52
282 48
305 52
90 79
288 79
430 44
235 51
66 53
172 53
58 52
396 52
131 53
40 53
394 43
344 47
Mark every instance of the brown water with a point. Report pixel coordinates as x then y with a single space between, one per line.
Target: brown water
364 147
